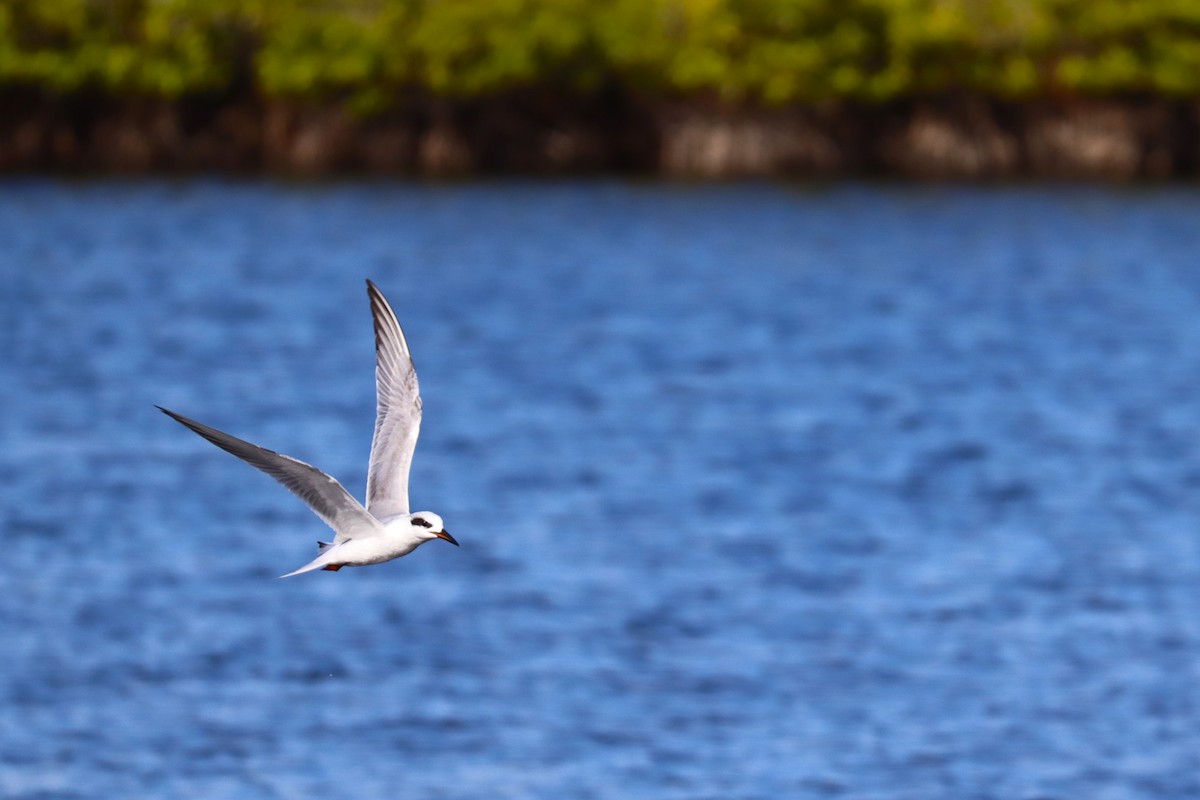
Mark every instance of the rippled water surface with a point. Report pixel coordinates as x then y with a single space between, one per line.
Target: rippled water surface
762 493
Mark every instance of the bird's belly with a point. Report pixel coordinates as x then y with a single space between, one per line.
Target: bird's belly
374 550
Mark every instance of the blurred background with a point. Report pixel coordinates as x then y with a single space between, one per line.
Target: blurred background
797 483
695 88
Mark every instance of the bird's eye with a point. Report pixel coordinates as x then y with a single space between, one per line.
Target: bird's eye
422 522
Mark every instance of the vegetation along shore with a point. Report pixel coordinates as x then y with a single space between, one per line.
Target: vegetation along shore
688 88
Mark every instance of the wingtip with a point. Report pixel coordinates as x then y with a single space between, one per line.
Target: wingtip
182 420
378 301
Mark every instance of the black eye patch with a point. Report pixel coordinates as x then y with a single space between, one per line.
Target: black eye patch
420 521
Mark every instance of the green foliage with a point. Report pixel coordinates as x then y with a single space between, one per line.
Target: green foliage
764 51
152 47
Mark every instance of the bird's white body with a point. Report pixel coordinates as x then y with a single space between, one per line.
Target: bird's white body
384 529
398 537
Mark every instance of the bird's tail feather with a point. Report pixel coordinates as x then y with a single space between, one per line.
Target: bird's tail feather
324 556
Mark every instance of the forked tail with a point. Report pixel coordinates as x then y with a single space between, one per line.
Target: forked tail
325 554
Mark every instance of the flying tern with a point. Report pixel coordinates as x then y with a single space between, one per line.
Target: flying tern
385 529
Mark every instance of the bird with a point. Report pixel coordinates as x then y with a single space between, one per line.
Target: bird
384 529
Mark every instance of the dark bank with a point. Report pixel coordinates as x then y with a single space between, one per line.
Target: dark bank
540 133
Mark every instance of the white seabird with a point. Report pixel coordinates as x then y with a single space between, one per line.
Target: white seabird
384 529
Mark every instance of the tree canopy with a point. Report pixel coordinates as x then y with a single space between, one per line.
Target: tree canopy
742 51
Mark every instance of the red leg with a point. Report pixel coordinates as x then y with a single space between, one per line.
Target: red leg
334 567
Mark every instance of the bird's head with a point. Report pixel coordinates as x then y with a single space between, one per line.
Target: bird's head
427 525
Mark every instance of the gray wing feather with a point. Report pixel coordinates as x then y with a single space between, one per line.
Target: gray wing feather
324 495
398 413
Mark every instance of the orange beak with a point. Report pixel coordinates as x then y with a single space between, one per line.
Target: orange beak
442 534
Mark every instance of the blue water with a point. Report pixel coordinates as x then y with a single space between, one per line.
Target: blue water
762 492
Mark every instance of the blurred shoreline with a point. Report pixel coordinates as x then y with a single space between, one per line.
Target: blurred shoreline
964 137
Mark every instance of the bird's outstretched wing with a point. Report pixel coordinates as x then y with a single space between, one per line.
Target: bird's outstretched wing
398 413
324 495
